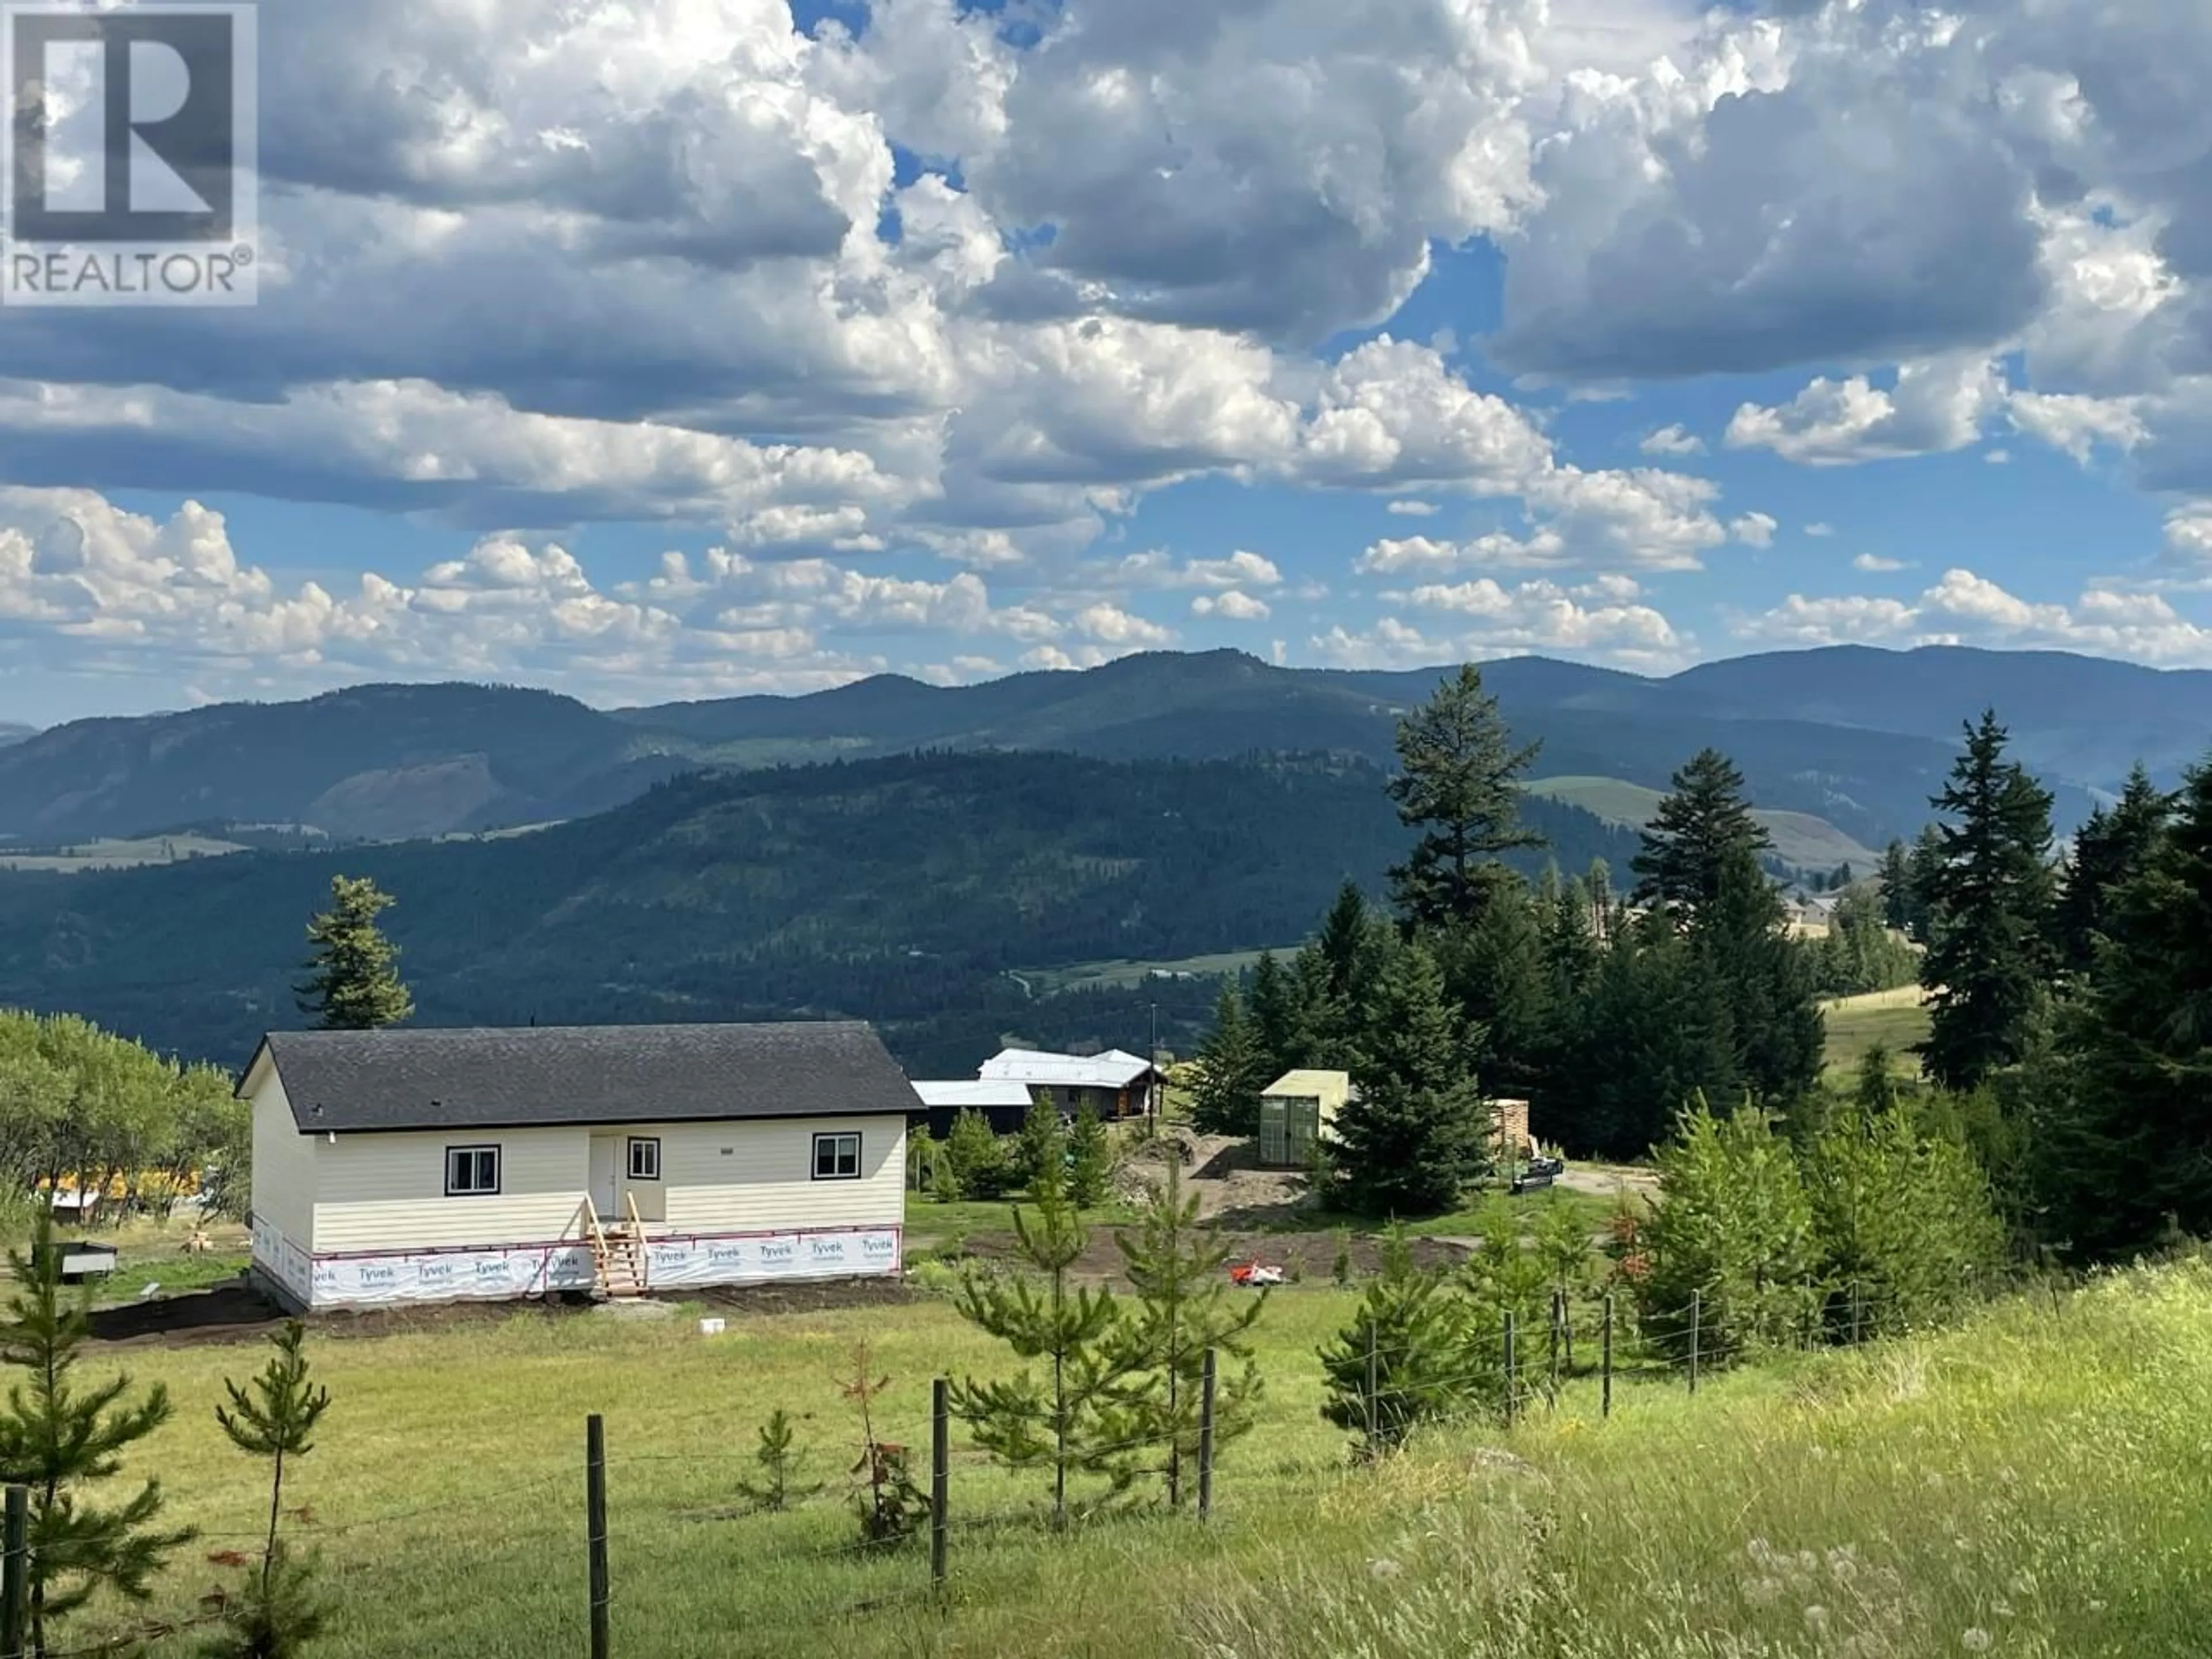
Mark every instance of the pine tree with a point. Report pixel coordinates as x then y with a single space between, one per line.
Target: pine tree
2109 850
1405 1358
1701 834
1225 1099
1417 1134
1089 1159
975 1164
1041 1152
1989 959
1896 887
354 980
63 1442
2130 1153
1656 1031
1349 948
274 1415
1734 1225
1458 784
1063 1424
1494 973
1904 1221
1282 1024
1175 1268
777 1487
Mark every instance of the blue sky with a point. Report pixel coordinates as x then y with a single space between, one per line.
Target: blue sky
700 349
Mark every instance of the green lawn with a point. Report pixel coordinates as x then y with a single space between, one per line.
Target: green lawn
1895 1019
2031 1485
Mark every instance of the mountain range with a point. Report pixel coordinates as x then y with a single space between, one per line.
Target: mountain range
1856 737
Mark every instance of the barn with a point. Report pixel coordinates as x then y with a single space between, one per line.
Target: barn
401 1166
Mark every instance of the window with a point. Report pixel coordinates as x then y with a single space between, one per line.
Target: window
836 1157
644 1159
471 1172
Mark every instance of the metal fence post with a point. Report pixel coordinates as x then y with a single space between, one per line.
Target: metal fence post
1697 1298
1205 1441
1558 1318
14 1571
595 1527
1512 1379
1373 1390
940 1477
1605 1397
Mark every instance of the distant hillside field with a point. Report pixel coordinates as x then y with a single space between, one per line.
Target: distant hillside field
118 854
1896 1020
1800 841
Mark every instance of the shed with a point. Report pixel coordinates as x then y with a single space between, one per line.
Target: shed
1295 1110
401 1166
1003 1104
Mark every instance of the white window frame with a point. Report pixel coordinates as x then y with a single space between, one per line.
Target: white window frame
474 1153
837 1138
638 1144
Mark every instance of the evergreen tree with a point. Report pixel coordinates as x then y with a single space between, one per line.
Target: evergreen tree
1174 1267
1896 887
1458 783
274 1416
353 983
1656 1031
1405 1358
1733 1225
1349 948
1041 1152
1282 1023
975 1163
1225 1098
1089 1159
1701 834
1064 1423
63 1443
777 1487
1922 868
2109 850
1494 971
2130 1158
1905 1220
1417 1135
1988 959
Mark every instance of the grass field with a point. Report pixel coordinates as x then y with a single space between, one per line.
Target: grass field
118 854
1094 975
2033 1484
1894 1019
1799 839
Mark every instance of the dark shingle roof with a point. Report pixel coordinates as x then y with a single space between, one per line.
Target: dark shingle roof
482 1079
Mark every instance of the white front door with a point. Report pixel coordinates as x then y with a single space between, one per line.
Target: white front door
606 1176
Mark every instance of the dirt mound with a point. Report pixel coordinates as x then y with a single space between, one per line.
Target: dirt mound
1224 1172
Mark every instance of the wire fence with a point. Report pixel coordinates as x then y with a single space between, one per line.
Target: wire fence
1501 1363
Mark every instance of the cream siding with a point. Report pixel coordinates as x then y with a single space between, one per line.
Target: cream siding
758 1177
283 1181
387 1192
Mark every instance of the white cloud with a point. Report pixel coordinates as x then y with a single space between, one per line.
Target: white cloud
1413 509
1934 406
1231 606
1875 564
1673 440
1964 608
1485 618
1820 530
1754 529
2076 424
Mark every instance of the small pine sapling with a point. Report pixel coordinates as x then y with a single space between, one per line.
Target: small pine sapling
1184 1308
779 1458
1404 1360
1340 1267
1041 1151
273 1416
63 1442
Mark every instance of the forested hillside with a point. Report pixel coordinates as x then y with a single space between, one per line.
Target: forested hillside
900 890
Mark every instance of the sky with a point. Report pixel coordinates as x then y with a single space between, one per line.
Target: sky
658 348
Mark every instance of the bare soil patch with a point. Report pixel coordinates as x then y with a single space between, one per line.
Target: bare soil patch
239 1313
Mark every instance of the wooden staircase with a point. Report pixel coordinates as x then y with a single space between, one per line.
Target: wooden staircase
618 1257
